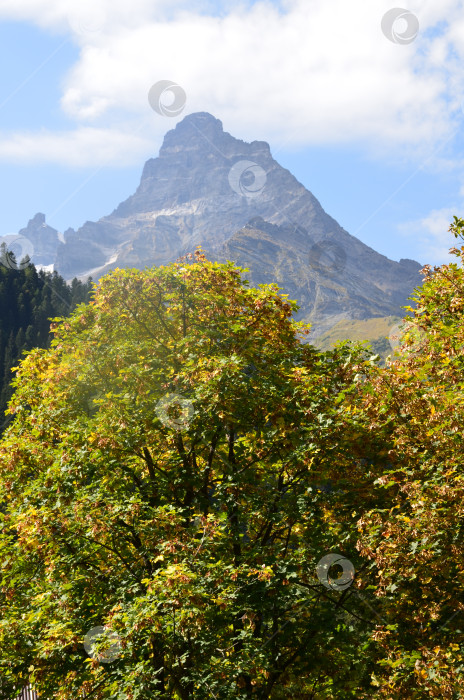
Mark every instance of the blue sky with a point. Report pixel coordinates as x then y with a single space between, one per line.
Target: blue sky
372 126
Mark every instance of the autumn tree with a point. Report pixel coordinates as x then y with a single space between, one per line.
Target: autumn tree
416 539
179 463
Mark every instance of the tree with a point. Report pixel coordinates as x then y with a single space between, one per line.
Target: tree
28 299
179 463
416 537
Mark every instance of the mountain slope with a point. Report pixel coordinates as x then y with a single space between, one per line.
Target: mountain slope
208 188
332 283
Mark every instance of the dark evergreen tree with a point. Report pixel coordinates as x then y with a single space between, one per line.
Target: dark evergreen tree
29 298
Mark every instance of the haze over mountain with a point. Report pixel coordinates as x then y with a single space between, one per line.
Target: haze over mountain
231 197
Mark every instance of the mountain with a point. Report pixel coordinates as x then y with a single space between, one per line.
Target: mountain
44 240
231 197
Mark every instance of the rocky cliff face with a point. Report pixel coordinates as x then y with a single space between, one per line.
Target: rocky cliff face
44 241
232 198
334 279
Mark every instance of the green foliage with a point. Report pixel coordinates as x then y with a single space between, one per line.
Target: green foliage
193 532
28 299
416 538
180 461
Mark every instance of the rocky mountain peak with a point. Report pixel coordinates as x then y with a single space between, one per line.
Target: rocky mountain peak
201 131
194 130
209 188
195 163
37 220
43 238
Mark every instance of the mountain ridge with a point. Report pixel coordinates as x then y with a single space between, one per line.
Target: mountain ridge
234 199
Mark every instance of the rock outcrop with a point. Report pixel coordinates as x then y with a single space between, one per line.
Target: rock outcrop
231 197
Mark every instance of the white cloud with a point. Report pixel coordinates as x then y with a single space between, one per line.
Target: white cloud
83 147
313 72
87 16
432 233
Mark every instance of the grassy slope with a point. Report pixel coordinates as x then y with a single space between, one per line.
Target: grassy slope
375 330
